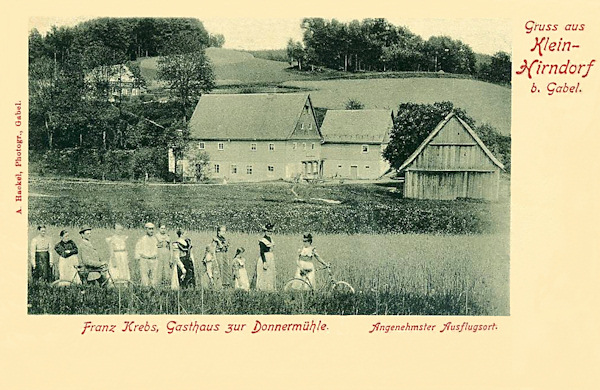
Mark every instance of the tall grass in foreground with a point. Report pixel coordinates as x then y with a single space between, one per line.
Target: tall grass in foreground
45 299
393 274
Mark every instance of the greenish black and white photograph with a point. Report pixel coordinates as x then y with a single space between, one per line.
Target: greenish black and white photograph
269 166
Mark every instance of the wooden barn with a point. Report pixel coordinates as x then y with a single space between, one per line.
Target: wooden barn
452 163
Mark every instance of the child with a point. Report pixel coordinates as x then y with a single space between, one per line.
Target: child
209 262
239 271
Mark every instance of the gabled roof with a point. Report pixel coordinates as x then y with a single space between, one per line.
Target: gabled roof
113 73
357 126
247 116
437 129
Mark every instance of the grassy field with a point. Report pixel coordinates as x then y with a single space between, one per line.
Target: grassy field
483 101
238 71
455 274
437 273
236 67
244 207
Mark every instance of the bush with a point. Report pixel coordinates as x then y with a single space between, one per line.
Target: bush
102 164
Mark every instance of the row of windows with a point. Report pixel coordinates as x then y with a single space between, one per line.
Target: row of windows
356 166
270 168
234 169
253 146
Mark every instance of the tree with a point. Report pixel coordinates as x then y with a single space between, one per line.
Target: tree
500 68
198 163
415 121
150 162
354 104
188 76
412 125
216 40
295 52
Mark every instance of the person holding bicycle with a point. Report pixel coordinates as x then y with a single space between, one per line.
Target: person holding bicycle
306 261
96 270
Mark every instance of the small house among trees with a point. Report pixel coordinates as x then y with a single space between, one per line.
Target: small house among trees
452 162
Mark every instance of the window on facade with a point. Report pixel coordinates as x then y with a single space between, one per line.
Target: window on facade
221 146
310 126
248 169
271 168
271 146
217 168
253 147
304 145
201 145
365 148
233 169
367 167
294 145
312 146
339 167
302 126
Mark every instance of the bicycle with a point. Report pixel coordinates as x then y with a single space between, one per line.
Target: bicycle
333 285
82 273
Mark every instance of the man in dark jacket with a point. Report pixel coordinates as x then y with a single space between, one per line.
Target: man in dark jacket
96 269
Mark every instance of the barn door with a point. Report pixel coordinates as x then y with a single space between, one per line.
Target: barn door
354 171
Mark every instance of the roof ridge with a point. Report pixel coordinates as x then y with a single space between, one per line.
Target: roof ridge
258 94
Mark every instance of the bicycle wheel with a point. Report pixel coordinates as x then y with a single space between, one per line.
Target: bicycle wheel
342 287
297 285
61 283
121 283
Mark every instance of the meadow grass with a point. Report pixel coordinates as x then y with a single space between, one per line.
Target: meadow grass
485 102
393 274
363 208
445 257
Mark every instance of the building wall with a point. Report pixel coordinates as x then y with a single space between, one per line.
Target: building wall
451 185
338 160
306 126
240 161
451 166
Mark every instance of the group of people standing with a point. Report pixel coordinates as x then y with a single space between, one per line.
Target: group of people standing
161 261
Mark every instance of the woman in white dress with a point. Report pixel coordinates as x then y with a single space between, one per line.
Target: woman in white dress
306 261
118 263
265 265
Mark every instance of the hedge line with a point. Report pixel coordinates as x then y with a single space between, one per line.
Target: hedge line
102 164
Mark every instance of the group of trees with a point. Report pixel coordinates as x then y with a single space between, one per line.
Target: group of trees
72 71
117 40
414 122
377 45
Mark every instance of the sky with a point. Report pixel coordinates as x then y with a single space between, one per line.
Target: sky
486 36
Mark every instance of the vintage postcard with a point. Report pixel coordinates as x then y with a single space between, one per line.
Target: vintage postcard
362 189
